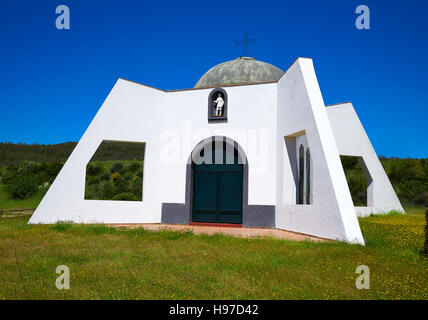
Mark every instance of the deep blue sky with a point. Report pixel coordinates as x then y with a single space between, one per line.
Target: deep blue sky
53 81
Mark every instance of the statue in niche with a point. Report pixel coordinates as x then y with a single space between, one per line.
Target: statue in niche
217 105
219 102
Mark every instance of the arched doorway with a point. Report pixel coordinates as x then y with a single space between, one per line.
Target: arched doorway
217 183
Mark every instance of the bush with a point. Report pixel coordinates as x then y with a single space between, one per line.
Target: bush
88 195
22 186
125 196
122 185
93 192
128 176
105 176
9 174
108 190
421 199
116 167
116 176
93 180
132 167
94 169
106 186
53 169
137 187
30 167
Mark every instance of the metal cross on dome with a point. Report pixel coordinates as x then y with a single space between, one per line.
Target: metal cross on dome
244 43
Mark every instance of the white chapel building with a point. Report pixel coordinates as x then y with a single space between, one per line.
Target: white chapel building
249 145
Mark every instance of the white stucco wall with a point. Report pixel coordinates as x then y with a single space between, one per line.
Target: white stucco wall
352 140
301 110
121 116
171 124
251 123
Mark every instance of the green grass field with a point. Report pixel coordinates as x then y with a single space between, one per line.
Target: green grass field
106 263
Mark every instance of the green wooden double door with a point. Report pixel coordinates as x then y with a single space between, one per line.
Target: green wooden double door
218 191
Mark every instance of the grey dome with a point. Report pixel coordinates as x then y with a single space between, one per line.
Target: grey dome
240 70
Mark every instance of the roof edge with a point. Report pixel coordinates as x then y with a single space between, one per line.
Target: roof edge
289 67
202 88
221 86
337 104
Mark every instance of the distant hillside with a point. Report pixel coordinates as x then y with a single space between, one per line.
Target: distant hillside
11 153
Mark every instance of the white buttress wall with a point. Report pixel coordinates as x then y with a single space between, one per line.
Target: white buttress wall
352 140
301 111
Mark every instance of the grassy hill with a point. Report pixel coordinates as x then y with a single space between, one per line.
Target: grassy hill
11 153
14 154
